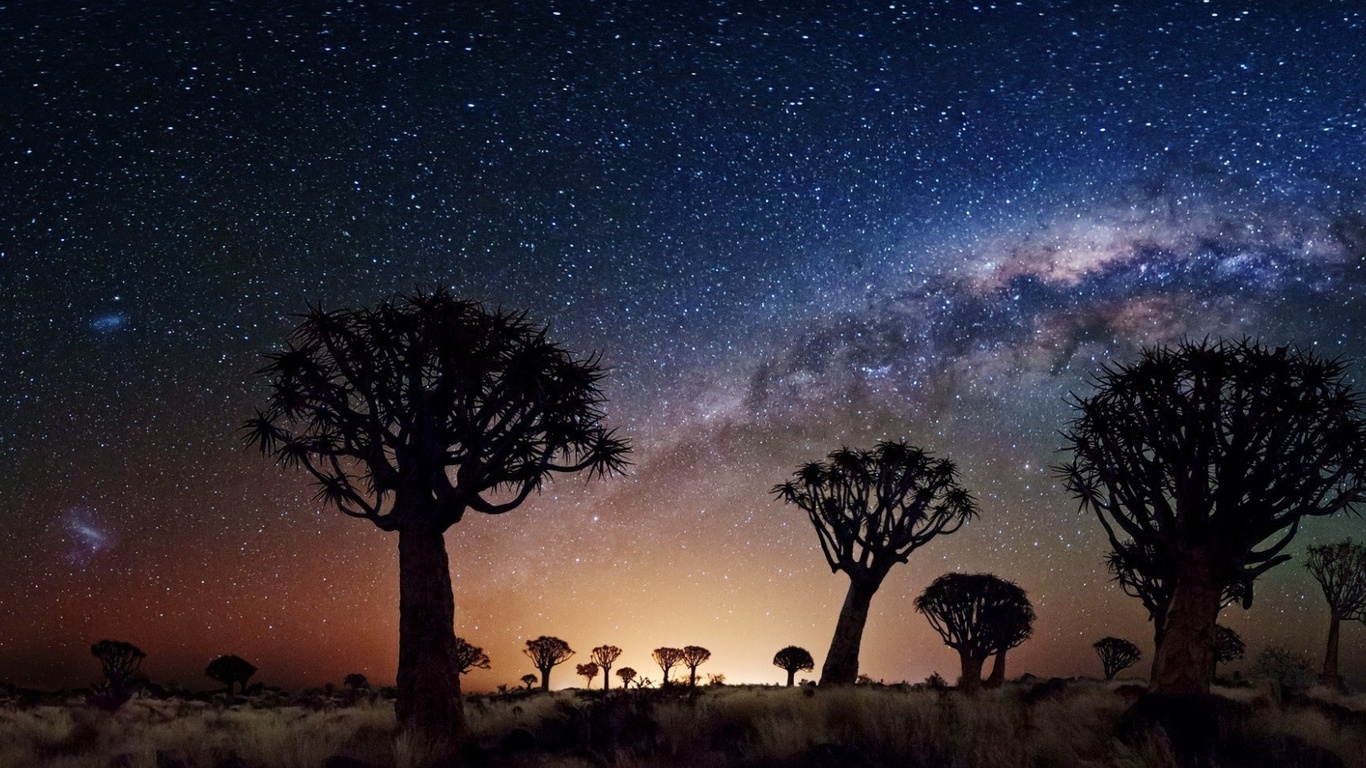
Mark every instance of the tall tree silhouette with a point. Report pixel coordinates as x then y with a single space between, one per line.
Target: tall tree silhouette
1116 654
412 413
1013 626
546 653
604 656
588 671
667 659
119 663
871 509
1340 570
694 656
469 656
970 612
1208 456
229 670
792 660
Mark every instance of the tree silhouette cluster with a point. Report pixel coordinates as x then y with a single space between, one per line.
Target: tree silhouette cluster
979 615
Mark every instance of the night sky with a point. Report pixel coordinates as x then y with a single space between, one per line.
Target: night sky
785 229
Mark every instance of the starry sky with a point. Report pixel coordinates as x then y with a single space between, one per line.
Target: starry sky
784 227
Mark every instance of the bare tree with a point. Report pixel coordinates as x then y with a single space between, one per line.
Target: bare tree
412 413
627 675
694 656
1340 570
229 670
546 653
667 659
1209 456
968 611
871 509
792 660
119 662
1116 654
604 656
588 672
469 656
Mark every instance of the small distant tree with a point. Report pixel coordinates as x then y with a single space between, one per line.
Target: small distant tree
588 672
1116 654
693 657
1228 646
230 669
546 653
604 656
1202 461
627 675
1340 570
468 656
792 660
968 611
356 681
529 680
667 659
871 510
119 662
1289 670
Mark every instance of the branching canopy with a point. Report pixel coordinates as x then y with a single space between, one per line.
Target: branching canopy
118 660
794 659
547 652
1116 654
606 655
871 509
1340 569
427 405
976 613
1228 645
667 659
469 656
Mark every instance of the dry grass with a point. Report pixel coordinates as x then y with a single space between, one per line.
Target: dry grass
717 727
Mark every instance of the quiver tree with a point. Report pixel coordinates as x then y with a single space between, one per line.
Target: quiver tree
627 675
871 509
546 653
229 670
588 672
1013 625
694 656
604 656
528 680
119 663
469 656
1228 646
667 659
970 612
1116 654
1340 569
412 413
1201 461
792 660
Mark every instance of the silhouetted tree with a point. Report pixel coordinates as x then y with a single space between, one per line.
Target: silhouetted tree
792 660
667 659
1228 646
588 672
1116 654
528 680
356 681
1340 570
627 675
119 662
230 669
694 656
871 509
546 653
414 412
1208 456
604 656
469 656
1013 626
969 612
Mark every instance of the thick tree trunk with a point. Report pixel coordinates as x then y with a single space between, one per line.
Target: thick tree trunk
791 677
998 670
841 662
429 702
1330 657
692 677
1184 663
970 680
545 679
1157 645
607 678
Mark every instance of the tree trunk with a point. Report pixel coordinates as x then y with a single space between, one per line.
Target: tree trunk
429 702
791 677
971 678
998 670
1184 663
692 677
841 662
607 678
1330 657
545 679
